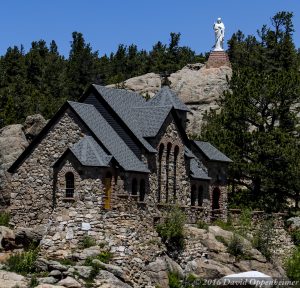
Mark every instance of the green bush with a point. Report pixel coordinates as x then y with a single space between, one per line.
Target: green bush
224 225
174 281
33 282
295 234
87 242
23 262
235 246
202 225
4 219
67 261
292 266
263 237
221 239
172 231
104 257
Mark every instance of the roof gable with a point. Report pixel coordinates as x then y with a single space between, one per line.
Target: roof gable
89 153
150 119
122 103
109 137
211 152
167 97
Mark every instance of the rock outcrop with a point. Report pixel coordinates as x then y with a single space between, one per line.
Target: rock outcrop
199 88
13 141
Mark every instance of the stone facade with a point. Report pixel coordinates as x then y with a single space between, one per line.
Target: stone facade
53 188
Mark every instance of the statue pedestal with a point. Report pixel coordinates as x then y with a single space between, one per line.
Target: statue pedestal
217 59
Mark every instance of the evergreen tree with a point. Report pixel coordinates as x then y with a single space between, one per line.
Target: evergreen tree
81 67
258 123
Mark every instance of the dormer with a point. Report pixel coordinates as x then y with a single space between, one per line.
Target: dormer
167 97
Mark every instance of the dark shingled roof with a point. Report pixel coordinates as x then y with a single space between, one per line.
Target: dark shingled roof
196 171
167 97
123 102
108 137
90 153
150 119
211 152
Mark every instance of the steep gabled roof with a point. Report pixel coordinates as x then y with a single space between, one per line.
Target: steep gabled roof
167 97
211 152
108 137
196 171
122 102
150 119
89 153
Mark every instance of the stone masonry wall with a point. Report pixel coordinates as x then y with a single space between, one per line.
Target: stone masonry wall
32 183
169 135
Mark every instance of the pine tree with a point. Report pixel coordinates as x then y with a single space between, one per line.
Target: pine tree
258 123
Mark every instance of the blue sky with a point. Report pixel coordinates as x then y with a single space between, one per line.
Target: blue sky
107 23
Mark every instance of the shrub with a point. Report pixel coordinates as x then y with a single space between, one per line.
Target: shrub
292 266
67 261
235 246
4 219
262 239
33 282
174 281
23 262
172 231
221 239
87 242
245 222
295 234
202 225
104 257
224 225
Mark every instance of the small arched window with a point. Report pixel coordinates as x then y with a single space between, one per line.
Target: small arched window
169 147
134 188
176 151
193 195
142 190
69 185
159 176
200 195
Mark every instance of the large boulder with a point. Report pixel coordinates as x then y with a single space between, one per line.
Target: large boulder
29 236
197 86
106 279
69 282
7 238
158 272
33 125
12 280
12 143
207 268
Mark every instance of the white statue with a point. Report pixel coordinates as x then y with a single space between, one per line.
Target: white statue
219 29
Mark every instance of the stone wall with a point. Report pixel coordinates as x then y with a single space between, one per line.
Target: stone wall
170 139
281 243
32 183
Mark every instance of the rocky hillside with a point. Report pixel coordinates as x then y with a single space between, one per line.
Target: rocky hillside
105 264
197 86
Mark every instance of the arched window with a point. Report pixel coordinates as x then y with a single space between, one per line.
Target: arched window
200 195
134 188
176 152
107 190
216 199
142 190
69 185
169 146
159 172
193 195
